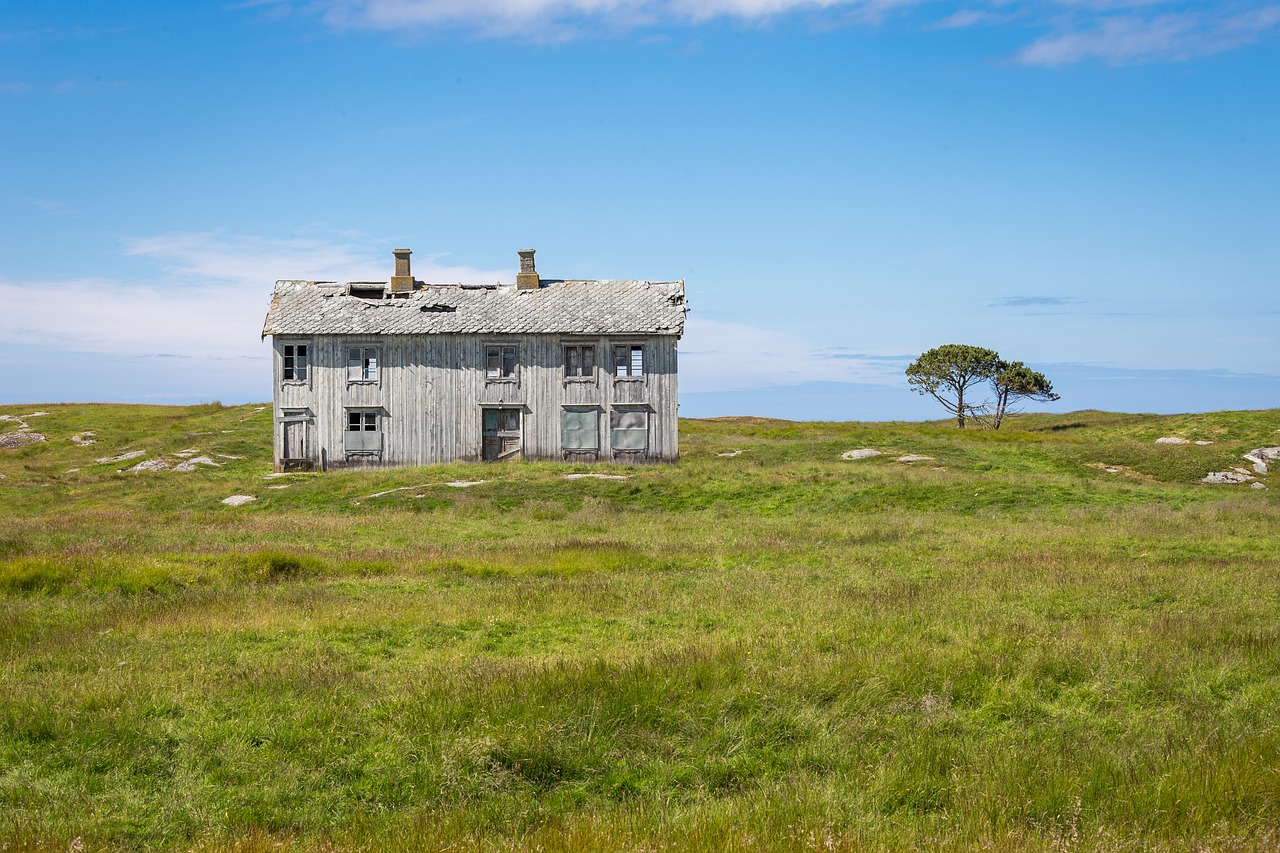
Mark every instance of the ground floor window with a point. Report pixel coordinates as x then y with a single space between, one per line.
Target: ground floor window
629 429
363 433
580 428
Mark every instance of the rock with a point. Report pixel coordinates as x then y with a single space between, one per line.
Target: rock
1204 443
151 465
132 454
596 476
732 453
1172 440
20 439
84 439
865 453
1257 486
238 500
190 451
190 464
1227 477
462 484
914 458
1261 456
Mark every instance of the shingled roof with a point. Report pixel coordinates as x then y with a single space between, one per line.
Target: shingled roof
556 307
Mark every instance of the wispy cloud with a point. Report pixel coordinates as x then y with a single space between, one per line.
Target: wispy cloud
575 17
1132 38
207 298
719 356
1061 32
1036 301
56 208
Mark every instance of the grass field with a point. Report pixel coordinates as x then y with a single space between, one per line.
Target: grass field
1005 647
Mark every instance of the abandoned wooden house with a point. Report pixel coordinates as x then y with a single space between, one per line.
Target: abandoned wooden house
408 373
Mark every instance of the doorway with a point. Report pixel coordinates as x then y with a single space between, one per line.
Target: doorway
501 433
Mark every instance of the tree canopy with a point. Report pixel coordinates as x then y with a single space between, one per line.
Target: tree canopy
949 374
1015 381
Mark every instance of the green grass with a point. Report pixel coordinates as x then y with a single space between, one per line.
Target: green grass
1005 648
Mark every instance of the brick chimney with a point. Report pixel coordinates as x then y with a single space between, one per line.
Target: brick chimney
527 278
402 281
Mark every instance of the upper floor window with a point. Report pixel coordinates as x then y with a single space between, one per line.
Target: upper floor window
580 361
628 360
500 361
362 364
295 362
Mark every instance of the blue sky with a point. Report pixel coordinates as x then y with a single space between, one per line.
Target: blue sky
1089 186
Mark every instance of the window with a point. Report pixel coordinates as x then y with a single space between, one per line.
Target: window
500 361
580 361
295 362
628 360
629 429
362 434
362 364
580 429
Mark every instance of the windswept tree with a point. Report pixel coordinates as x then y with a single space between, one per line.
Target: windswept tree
948 373
1014 382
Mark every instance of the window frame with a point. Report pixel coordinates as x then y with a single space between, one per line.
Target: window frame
289 363
594 411
362 364
615 431
502 349
577 361
370 421
633 371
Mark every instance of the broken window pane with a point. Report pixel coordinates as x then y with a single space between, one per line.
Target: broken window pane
628 360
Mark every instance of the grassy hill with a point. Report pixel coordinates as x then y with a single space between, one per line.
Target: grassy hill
1006 646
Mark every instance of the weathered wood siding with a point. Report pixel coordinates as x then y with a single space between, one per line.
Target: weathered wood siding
431 390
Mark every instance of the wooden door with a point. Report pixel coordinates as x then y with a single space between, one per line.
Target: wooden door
501 433
295 440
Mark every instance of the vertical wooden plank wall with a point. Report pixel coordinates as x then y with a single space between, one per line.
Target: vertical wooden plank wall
430 390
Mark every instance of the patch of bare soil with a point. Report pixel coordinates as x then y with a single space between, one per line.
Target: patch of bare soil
1121 469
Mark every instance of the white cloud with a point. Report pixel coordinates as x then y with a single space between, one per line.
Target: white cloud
209 303
719 356
1111 31
1128 39
503 17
